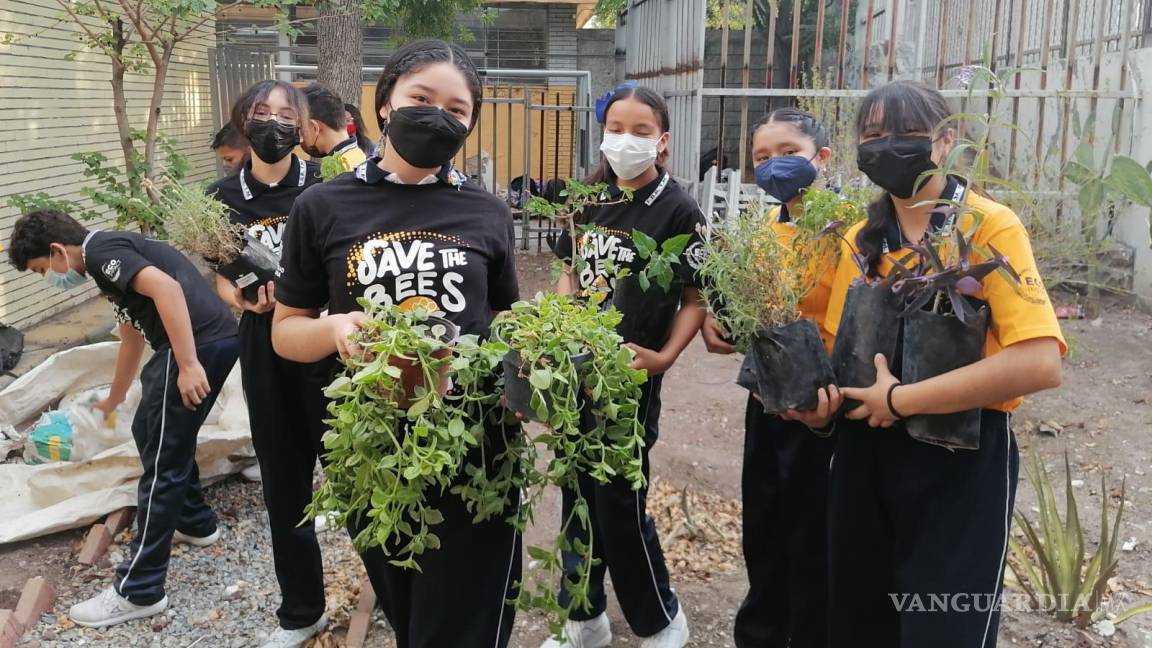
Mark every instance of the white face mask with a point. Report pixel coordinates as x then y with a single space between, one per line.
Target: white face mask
628 155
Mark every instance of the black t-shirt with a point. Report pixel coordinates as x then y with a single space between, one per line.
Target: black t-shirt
446 245
113 259
262 208
661 209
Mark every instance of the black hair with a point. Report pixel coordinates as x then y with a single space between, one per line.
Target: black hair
230 137
645 95
904 107
362 139
258 93
325 107
801 119
35 232
417 55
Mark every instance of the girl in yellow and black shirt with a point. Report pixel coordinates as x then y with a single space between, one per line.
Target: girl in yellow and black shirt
912 523
784 480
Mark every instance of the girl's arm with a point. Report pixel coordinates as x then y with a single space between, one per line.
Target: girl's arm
301 335
684 327
1018 370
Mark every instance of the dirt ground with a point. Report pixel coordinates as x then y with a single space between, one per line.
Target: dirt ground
1103 413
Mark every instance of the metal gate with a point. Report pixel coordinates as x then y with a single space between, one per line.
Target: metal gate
535 125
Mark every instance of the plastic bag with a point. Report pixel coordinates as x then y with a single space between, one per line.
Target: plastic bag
50 439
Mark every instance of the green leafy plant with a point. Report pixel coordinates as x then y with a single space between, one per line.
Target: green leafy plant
198 224
755 273
1050 563
573 360
577 199
660 258
133 195
391 444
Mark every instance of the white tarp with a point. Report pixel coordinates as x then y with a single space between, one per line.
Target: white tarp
52 497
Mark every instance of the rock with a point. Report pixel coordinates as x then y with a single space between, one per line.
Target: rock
160 623
214 615
321 523
1130 545
234 592
1106 628
1077 483
1050 428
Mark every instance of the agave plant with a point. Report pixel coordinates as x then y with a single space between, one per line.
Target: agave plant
1050 563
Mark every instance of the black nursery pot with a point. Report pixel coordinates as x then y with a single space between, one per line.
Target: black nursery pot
518 391
936 344
254 267
648 314
870 325
789 365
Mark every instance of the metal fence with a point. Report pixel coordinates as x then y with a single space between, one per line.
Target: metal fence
1059 61
535 125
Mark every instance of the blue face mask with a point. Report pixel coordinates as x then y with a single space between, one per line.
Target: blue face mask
784 177
63 280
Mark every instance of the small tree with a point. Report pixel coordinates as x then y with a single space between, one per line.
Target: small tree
138 36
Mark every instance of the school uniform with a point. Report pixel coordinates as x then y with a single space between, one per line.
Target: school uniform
626 542
285 402
784 486
169 497
349 154
913 524
447 246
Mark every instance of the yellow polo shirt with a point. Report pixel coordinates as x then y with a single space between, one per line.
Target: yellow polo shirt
1017 312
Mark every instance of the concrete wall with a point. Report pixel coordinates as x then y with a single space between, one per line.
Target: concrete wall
51 108
596 52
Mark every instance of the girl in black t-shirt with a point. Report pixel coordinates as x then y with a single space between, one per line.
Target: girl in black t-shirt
284 398
407 230
626 543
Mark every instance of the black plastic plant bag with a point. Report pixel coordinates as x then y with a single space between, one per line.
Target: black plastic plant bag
648 314
518 389
869 325
11 347
790 366
254 267
935 344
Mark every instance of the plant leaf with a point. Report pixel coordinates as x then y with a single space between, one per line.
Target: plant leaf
1131 180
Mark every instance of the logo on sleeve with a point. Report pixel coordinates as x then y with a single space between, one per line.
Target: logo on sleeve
695 255
111 269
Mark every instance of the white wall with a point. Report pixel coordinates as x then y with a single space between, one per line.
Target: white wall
51 108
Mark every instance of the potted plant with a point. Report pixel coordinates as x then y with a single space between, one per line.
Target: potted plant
199 224
759 273
945 325
396 431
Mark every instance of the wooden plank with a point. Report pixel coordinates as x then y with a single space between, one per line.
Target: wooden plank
867 41
794 61
95 545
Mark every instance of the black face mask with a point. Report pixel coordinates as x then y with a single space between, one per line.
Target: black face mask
271 141
895 162
426 137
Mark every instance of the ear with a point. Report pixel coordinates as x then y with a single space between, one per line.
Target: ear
385 113
662 143
822 157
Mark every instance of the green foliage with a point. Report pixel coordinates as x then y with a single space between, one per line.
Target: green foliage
330 167
1125 181
838 116
755 274
393 446
128 194
548 333
199 224
1050 562
661 258
388 453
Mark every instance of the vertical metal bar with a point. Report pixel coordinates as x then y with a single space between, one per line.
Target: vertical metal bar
818 55
745 80
1015 62
794 63
867 43
770 55
942 46
1045 57
721 122
1098 55
527 145
1127 104
1070 49
995 34
892 39
841 61
971 32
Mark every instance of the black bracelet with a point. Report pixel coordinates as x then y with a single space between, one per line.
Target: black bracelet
891 408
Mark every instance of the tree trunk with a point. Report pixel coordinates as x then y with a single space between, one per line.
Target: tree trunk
120 100
340 37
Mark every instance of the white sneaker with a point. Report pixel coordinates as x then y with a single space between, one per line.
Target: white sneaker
674 636
295 638
184 538
251 473
109 608
595 633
